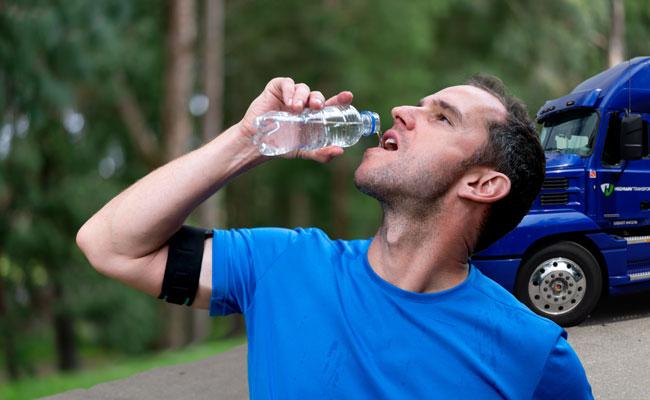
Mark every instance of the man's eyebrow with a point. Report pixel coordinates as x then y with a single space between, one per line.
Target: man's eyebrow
446 106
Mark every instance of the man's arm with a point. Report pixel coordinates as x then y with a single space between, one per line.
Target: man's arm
126 239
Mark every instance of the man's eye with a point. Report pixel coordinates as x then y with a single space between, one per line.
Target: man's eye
442 118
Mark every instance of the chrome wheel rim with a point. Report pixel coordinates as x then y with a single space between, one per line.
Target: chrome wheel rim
557 286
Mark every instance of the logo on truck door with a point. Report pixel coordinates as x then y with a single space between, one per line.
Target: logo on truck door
607 189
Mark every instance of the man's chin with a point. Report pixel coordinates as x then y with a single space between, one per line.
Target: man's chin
367 186
365 189
361 182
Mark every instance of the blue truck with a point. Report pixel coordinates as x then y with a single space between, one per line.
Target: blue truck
588 231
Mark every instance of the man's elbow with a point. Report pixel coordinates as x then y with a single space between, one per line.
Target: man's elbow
81 238
90 244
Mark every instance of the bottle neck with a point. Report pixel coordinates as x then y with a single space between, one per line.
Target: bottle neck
370 122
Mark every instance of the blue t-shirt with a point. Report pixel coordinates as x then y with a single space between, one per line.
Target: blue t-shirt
323 325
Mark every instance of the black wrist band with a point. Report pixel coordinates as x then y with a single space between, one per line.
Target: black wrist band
183 269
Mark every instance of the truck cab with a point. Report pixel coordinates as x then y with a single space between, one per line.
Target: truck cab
587 233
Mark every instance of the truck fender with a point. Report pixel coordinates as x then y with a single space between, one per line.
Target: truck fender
534 227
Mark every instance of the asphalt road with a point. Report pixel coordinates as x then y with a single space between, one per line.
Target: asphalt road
613 344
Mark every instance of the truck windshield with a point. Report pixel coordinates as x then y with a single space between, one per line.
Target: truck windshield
574 134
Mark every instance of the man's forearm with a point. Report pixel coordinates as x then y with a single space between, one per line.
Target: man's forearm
142 218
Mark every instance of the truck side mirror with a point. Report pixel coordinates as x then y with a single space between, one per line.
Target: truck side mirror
632 137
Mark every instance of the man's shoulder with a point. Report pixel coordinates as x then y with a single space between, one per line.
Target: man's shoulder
262 235
524 338
519 317
316 238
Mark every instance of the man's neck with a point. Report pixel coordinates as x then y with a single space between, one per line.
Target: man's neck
421 252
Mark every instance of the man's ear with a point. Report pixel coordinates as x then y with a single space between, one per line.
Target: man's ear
484 185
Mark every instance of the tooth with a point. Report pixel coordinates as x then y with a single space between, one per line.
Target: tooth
390 140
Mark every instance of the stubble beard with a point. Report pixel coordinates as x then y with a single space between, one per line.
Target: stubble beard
413 190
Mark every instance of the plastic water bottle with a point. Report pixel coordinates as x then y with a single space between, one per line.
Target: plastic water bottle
280 132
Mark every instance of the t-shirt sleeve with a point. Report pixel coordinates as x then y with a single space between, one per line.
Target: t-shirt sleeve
240 258
563 376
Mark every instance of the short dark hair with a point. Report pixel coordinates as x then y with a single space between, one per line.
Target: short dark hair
513 148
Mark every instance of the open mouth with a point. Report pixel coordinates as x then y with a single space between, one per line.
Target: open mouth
388 142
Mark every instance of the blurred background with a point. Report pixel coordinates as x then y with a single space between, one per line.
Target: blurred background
95 94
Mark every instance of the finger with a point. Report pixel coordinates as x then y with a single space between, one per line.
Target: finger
343 98
323 155
300 96
288 88
282 89
316 100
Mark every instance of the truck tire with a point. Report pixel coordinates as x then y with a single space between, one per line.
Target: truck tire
561 282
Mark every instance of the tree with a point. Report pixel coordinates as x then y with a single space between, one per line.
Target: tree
177 123
54 62
616 49
211 213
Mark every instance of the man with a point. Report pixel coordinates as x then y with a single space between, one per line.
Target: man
403 315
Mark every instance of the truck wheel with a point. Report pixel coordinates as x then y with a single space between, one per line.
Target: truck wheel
561 282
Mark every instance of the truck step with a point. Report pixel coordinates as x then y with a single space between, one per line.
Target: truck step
637 239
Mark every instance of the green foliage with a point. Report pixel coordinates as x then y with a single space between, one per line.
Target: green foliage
56 65
637 28
110 315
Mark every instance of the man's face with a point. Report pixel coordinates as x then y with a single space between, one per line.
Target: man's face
422 154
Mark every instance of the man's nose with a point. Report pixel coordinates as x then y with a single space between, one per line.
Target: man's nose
404 115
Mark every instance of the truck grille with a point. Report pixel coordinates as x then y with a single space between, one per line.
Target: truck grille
555 184
554 199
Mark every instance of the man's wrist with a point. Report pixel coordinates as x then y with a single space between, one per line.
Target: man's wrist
237 146
245 131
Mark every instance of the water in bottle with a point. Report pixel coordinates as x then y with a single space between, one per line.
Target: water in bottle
280 132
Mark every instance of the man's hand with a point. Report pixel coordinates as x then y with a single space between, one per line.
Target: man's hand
282 94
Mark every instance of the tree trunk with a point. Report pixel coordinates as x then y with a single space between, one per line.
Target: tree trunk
66 346
179 77
11 355
68 358
211 213
616 50
177 124
213 67
8 337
